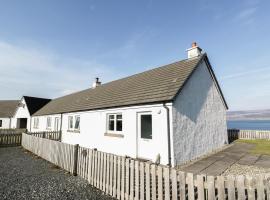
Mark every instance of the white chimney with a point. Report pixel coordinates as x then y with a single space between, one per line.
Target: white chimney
194 51
96 83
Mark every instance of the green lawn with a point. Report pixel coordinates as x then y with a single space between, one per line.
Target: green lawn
262 146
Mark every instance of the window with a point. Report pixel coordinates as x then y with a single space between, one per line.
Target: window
115 123
77 123
49 122
74 123
70 122
36 122
146 126
56 123
1 122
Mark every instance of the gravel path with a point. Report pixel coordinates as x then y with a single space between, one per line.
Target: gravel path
25 176
237 169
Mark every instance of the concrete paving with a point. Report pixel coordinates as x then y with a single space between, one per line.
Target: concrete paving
216 164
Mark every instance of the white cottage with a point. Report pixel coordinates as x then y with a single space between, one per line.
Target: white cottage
26 107
7 110
171 114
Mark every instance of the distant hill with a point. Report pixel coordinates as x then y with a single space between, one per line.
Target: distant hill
249 115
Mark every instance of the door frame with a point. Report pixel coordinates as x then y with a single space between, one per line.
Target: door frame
138 132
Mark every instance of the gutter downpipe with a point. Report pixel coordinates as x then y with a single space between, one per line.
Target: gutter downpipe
61 119
10 122
168 133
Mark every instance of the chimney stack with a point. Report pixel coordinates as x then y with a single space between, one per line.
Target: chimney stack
194 51
96 83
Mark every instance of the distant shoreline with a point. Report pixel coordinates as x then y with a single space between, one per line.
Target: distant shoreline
249 124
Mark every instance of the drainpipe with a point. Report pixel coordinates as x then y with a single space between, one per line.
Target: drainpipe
168 133
30 124
61 119
10 122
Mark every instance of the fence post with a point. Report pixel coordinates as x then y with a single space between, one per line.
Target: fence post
76 150
60 136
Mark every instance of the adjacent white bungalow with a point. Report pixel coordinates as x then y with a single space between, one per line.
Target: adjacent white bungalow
7 110
25 108
170 114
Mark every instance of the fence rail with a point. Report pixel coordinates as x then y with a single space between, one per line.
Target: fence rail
126 178
12 139
12 131
52 135
234 134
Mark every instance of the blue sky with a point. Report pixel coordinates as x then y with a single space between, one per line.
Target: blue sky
55 47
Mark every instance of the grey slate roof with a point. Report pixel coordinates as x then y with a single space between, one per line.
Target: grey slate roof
8 107
157 85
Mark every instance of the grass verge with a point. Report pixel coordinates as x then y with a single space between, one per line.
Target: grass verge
261 146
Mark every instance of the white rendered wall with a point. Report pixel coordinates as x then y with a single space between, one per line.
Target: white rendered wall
21 112
199 118
5 123
93 127
42 125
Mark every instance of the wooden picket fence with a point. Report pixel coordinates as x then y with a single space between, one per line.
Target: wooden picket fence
52 135
234 134
12 131
11 139
58 153
127 178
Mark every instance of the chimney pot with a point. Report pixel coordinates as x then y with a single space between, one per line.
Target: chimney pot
96 83
194 51
194 44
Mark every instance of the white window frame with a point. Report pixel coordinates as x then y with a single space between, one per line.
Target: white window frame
56 119
73 123
49 119
75 119
70 124
36 123
115 123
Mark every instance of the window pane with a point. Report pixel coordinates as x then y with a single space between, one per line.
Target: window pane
111 117
146 126
0 123
77 123
70 122
119 125
118 117
48 122
111 125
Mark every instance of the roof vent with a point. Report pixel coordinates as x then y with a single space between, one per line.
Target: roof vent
96 83
194 51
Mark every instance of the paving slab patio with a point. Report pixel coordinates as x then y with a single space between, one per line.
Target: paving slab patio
216 164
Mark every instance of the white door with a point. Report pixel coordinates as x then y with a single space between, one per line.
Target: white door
56 124
144 135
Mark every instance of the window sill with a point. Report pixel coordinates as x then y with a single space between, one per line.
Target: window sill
73 131
114 135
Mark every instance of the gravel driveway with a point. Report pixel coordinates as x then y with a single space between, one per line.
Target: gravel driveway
25 176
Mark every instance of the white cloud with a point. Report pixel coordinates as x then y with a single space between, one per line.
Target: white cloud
35 72
246 16
246 73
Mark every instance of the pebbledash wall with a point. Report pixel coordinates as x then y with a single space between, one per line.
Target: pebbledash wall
199 117
93 129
